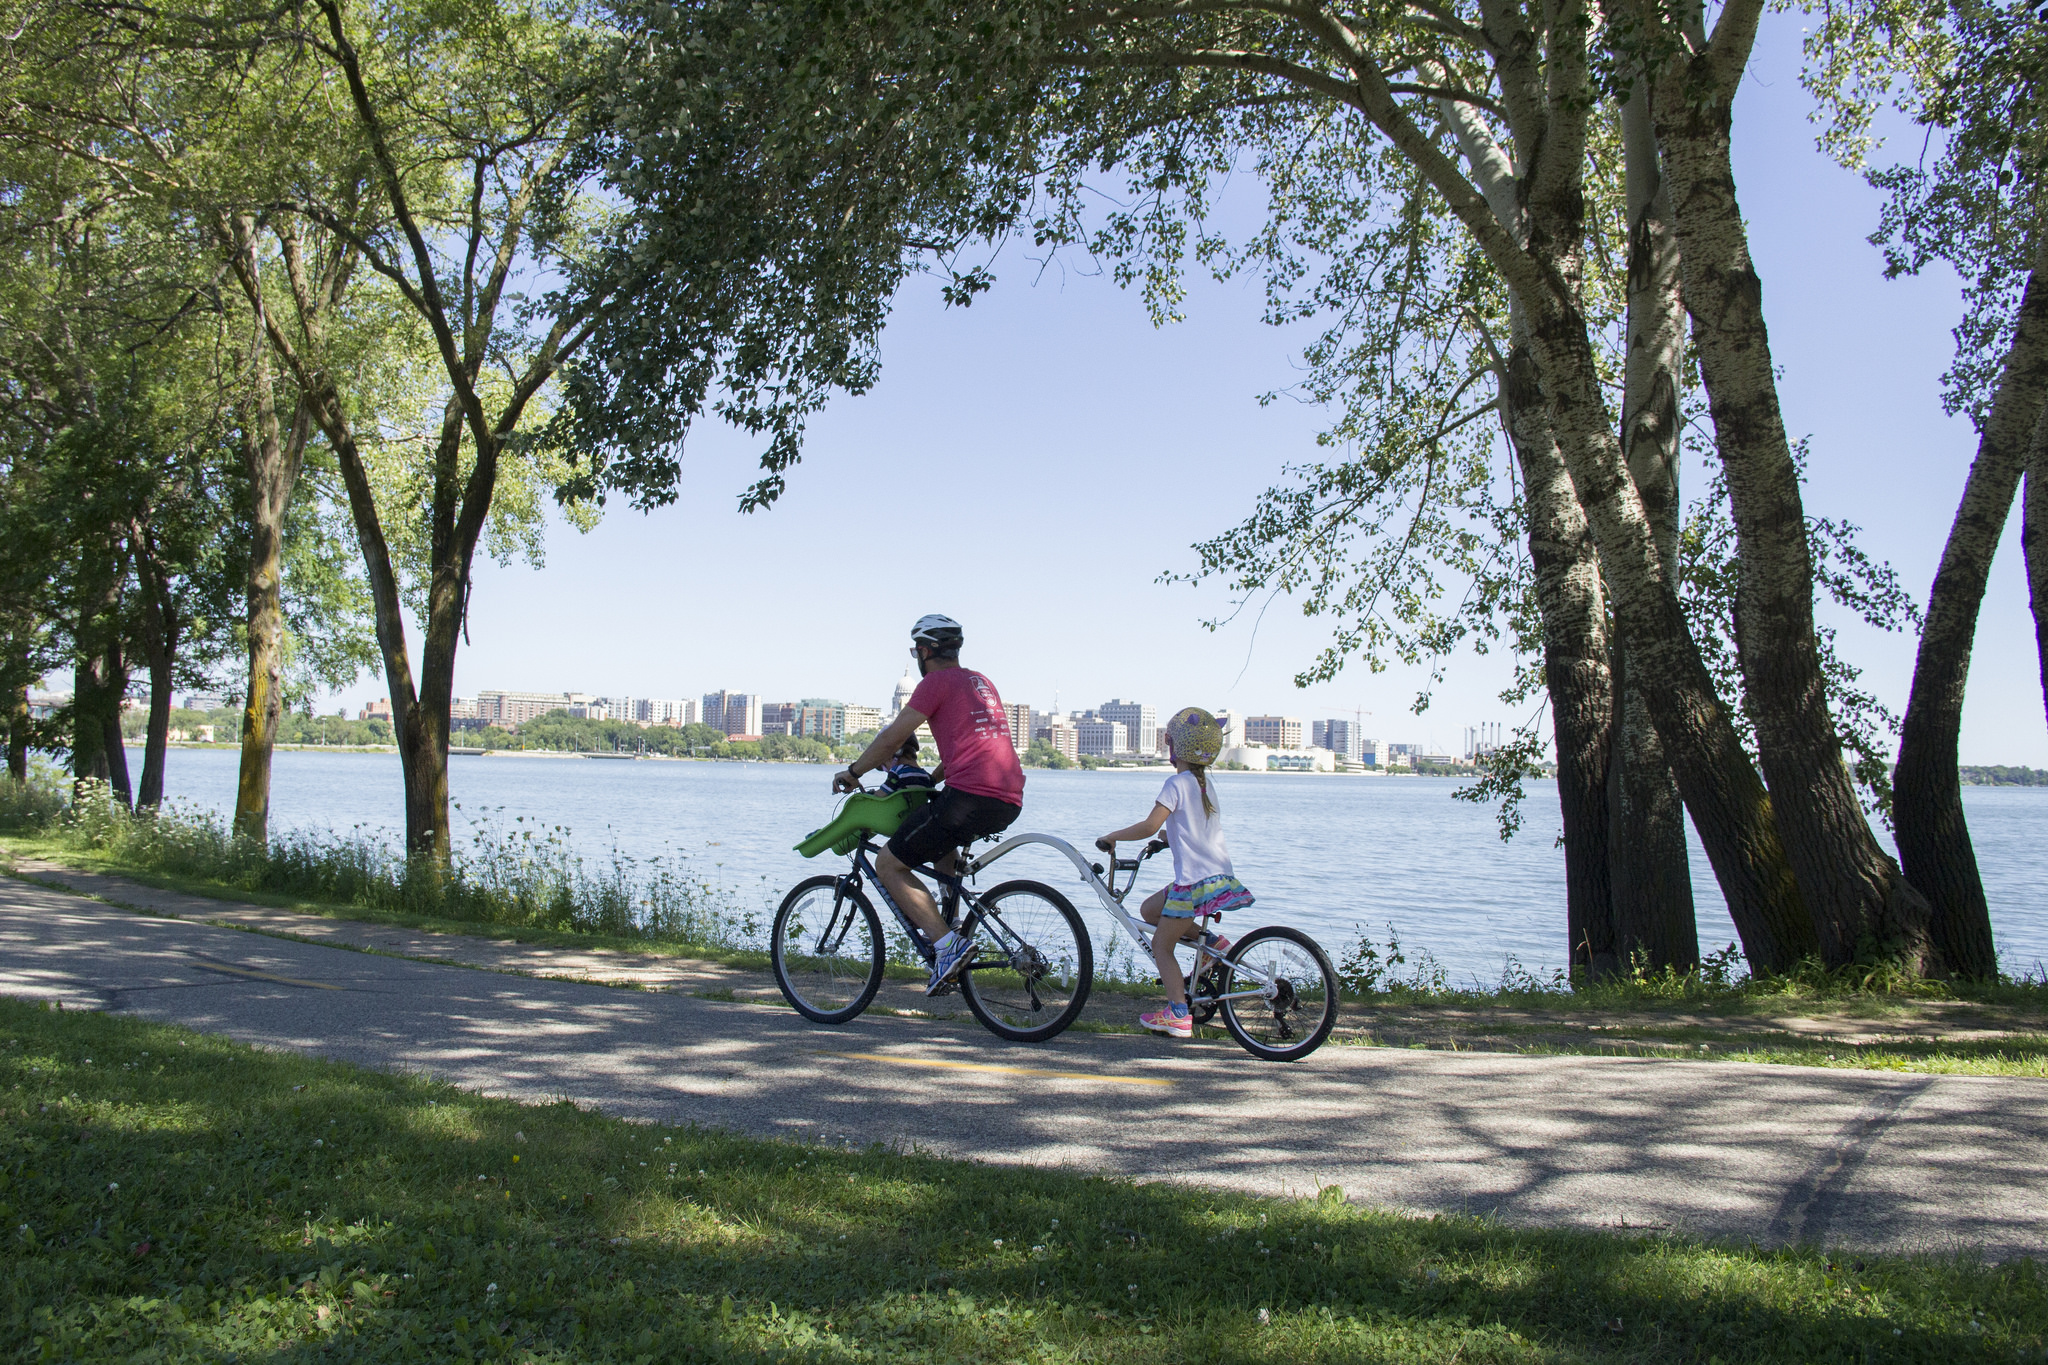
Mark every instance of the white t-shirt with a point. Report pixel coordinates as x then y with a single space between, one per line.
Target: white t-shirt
1196 835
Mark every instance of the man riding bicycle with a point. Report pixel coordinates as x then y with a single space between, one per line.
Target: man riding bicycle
984 790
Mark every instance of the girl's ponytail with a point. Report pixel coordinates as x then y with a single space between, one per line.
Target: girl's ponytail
1201 772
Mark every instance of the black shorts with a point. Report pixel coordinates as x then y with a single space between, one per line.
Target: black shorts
947 821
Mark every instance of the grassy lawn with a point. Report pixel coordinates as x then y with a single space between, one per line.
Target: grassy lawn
172 1196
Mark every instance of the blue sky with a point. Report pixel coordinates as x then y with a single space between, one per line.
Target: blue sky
1032 464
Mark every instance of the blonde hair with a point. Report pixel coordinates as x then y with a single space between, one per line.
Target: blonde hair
1201 772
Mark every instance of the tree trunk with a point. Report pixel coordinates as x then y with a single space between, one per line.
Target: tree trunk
273 462
99 680
1927 800
1654 921
159 651
2034 537
1861 905
1574 665
17 733
422 746
1731 809
1729 805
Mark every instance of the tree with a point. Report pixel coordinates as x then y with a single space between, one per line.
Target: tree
1162 93
1972 71
1858 899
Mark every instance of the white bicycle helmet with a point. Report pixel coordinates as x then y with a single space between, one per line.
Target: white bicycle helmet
940 632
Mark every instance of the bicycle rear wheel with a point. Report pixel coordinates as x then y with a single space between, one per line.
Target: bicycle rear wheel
1302 1009
827 950
1036 963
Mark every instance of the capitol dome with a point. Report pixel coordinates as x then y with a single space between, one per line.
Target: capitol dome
905 685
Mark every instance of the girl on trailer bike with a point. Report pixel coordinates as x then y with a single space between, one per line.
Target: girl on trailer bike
1204 883
984 791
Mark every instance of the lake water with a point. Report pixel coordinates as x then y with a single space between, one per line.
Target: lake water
1326 854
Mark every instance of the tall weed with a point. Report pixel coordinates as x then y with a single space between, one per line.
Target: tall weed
518 873
32 804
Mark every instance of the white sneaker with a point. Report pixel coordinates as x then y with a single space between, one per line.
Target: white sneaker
947 965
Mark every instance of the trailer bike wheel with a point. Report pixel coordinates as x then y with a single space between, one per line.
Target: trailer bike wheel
1291 1020
1033 966
827 950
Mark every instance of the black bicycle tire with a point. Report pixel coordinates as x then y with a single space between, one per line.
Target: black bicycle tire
876 967
1330 986
1086 945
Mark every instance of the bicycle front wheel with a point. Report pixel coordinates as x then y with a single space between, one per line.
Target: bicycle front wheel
1036 963
827 950
1290 1017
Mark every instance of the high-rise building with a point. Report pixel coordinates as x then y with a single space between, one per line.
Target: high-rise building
736 713
1275 732
1062 735
781 718
1019 717
1140 722
1103 738
664 711
1338 736
860 720
516 708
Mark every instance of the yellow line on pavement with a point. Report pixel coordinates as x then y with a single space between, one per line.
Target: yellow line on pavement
1004 1070
254 975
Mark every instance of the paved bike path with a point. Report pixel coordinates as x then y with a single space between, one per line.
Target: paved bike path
1721 1149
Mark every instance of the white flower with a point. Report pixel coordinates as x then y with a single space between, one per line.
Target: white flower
319 1142
999 1241
491 1288
114 1186
1265 1318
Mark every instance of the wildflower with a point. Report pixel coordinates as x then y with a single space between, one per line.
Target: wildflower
115 1185
491 1288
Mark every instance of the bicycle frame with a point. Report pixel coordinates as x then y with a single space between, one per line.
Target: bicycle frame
1113 901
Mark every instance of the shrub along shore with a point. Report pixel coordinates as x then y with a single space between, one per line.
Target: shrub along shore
173 1196
525 880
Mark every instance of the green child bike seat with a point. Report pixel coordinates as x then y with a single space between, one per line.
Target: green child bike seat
864 813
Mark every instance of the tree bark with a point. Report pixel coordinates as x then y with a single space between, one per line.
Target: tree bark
1927 792
1575 667
1727 800
2034 537
1860 903
273 461
1568 594
1654 921
17 733
99 682
1542 270
159 651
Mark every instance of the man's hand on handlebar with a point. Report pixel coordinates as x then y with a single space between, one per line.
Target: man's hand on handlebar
1106 844
845 781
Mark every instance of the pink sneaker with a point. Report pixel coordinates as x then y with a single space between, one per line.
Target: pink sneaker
1165 1021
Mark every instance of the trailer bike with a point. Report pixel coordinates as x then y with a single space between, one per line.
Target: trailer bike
1033 967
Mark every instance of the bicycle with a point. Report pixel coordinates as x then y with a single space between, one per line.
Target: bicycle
1027 980
1275 987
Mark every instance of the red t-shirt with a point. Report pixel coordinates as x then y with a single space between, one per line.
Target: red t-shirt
973 734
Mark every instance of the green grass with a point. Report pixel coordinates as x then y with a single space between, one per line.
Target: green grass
171 1196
